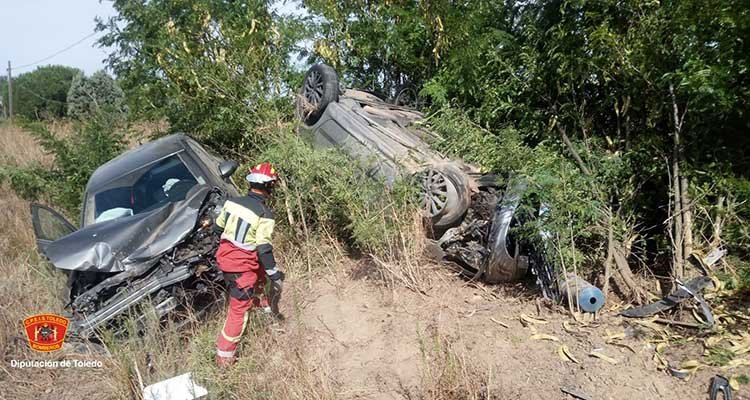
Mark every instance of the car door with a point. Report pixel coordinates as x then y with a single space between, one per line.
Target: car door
49 225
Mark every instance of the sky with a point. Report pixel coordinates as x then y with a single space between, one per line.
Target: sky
31 30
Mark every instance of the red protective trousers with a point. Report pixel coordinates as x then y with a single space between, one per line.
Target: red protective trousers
245 280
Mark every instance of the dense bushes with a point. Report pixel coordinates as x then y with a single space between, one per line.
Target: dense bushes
215 68
648 98
327 192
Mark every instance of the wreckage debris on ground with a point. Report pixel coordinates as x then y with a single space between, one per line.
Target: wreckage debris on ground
691 290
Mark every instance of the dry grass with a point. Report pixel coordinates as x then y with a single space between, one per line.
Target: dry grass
142 132
403 263
24 287
273 360
17 147
27 286
30 286
447 374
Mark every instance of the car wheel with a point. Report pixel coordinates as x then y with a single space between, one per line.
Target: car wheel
319 88
444 196
408 96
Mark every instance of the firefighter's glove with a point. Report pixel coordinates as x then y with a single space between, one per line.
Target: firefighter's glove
278 276
277 280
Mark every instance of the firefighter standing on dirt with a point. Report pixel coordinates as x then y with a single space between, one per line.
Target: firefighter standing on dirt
245 246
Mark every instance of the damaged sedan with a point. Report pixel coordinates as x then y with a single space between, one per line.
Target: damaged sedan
146 233
470 213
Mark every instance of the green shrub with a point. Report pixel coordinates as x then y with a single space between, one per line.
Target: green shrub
334 194
217 69
553 181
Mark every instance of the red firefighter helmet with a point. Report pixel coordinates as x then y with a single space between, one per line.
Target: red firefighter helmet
262 174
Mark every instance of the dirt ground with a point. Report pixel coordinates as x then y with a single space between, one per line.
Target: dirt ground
374 340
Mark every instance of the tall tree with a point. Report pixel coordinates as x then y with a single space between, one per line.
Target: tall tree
42 93
212 67
88 95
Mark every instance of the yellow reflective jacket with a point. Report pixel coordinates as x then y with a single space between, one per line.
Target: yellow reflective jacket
248 225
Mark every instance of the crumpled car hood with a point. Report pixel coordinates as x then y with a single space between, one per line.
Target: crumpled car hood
116 245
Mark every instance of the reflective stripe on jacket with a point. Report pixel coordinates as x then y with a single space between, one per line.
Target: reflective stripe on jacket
248 225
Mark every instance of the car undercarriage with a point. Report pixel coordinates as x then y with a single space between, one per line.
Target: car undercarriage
470 213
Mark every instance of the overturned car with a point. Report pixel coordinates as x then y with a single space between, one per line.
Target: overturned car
146 233
471 213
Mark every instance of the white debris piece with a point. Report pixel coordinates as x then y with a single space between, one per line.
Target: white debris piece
180 387
714 256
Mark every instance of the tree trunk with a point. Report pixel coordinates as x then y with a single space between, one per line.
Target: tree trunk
687 218
573 151
627 132
718 221
677 262
610 253
678 266
638 294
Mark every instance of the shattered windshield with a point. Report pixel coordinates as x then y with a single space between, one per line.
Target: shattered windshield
150 187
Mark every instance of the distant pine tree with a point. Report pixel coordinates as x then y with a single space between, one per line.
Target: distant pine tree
88 95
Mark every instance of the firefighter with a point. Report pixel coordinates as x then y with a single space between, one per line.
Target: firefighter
245 256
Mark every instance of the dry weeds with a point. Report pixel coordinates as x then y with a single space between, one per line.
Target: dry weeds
404 263
30 286
447 374
17 147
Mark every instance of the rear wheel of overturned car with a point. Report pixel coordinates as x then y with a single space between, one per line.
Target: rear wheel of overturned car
319 88
444 198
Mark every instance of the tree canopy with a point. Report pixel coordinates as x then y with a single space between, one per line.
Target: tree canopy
42 93
212 67
89 94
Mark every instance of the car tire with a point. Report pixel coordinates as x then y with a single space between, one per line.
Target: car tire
319 88
445 197
408 96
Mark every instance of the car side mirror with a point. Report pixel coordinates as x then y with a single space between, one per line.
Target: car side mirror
227 168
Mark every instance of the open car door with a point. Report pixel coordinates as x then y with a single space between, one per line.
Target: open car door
49 225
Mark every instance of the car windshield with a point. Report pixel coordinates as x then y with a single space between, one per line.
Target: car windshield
165 181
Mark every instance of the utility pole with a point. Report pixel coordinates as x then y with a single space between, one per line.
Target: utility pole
10 93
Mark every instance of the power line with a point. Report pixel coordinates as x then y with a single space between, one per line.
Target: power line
57 53
39 96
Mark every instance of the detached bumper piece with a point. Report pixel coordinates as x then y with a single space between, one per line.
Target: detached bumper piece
691 290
